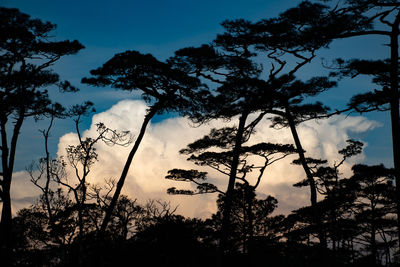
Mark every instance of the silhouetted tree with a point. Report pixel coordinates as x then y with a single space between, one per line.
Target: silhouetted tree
167 88
374 209
27 52
215 151
236 82
175 241
83 155
79 215
335 208
373 18
43 172
355 211
295 34
204 152
62 228
249 213
301 31
290 112
241 89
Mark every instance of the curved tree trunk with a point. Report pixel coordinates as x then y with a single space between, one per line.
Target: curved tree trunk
310 178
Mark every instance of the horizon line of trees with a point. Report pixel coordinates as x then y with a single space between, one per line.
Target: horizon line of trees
246 75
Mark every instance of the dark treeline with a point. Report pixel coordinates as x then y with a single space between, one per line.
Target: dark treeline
246 75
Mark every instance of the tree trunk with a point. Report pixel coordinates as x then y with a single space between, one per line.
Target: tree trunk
6 223
48 173
5 192
394 110
225 227
310 178
107 217
8 158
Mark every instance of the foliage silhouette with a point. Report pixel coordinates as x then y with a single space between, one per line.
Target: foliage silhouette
166 88
351 220
203 152
27 51
231 64
375 18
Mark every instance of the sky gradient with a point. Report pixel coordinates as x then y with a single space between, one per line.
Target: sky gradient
160 28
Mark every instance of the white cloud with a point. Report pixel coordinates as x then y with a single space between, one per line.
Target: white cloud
159 152
23 192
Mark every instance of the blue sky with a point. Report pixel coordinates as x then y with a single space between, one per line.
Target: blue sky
161 27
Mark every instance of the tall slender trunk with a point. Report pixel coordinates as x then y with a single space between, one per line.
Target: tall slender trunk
79 206
107 217
394 109
46 192
225 227
310 178
8 159
5 190
78 249
6 211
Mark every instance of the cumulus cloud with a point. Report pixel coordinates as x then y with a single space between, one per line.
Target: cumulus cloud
159 152
23 192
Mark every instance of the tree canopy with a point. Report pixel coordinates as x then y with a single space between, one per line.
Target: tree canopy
247 77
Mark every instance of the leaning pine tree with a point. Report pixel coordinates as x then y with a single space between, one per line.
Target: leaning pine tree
164 87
